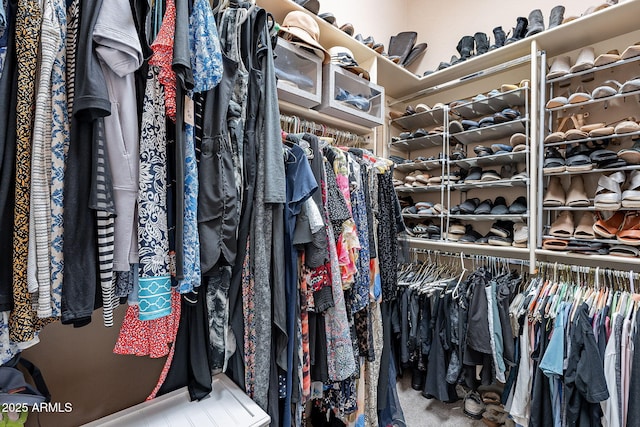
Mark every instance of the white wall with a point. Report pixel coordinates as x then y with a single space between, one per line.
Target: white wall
440 27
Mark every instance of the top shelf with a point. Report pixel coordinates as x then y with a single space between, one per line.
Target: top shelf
400 83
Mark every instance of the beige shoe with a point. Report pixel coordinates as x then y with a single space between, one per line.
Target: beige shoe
555 195
577 196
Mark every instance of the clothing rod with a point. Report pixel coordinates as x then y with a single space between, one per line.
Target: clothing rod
469 257
554 266
295 124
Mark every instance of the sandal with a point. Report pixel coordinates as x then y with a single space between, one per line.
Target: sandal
607 58
624 250
609 195
608 228
631 155
578 159
553 161
608 88
631 196
627 126
555 244
631 51
631 85
563 226
555 195
629 233
579 96
577 196
584 230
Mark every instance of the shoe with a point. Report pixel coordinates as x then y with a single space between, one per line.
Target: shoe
563 226
348 28
417 379
416 52
401 44
584 229
503 233
519 206
585 60
559 67
482 43
556 16
473 405
555 195
519 31
629 233
499 38
631 196
608 228
329 17
312 6
536 23
484 208
553 161
469 206
631 52
631 155
609 194
607 58
520 235
465 47
356 101
577 196
500 206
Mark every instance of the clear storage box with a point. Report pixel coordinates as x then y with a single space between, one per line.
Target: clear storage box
350 97
299 74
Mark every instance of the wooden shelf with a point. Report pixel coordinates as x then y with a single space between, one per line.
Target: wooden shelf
316 116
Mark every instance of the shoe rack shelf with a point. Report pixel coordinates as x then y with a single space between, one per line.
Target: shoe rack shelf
593 138
591 259
591 251
418 143
569 76
418 166
489 217
469 248
494 160
420 120
492 132
594 170
492 104
580 208
421 189
567 107
421 216
503 183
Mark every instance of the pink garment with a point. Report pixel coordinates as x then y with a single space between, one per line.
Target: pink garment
163 57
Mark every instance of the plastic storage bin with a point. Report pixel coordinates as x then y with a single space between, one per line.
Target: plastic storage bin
299 75
350 97
226 406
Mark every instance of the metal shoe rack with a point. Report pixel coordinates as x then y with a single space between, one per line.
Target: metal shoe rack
606 110
452 192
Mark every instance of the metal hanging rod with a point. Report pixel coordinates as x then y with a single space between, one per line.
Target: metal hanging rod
295 124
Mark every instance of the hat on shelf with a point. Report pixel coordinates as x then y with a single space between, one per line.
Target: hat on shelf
301 29
343 57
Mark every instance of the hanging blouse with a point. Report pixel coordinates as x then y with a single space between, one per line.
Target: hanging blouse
153 233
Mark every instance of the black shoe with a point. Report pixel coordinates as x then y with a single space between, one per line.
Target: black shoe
417 379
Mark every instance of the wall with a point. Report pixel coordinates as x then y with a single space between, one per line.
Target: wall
80 368
440 28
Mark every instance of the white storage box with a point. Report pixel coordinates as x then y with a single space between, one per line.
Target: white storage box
226 406
299 74
364 100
